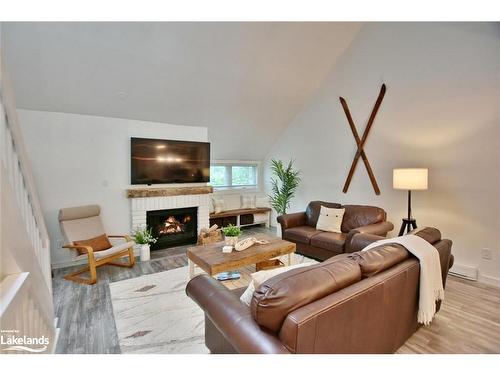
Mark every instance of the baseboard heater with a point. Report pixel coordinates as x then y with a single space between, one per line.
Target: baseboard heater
466 272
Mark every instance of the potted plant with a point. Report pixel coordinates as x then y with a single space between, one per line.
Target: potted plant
144 237
232 234
284 185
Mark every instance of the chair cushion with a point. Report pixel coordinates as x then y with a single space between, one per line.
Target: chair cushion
111 251
330 241
78 229
98 243
286 292
358 216
80 212
301 234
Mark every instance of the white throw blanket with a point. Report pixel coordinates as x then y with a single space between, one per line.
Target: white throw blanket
431 282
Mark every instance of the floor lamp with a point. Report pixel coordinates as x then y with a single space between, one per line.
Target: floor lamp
409 179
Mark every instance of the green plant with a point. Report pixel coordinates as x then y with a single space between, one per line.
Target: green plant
284 184
231 231
144 236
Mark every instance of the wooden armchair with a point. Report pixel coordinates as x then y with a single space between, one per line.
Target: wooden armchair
83 229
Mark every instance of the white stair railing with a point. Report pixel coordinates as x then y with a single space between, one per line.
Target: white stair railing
26 305
26 200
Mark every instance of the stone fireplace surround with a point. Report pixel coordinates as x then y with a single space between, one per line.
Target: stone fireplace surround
152 199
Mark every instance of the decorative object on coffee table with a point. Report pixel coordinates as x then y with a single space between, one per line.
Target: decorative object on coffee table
247 242
144 237
231 275
210 235
361 142
284 184
409 179
212 260
231 234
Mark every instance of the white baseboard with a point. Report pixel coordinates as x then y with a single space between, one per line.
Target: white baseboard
474 274
490 280
462 270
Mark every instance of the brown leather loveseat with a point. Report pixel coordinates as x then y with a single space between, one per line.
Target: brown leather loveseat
364 302
300 228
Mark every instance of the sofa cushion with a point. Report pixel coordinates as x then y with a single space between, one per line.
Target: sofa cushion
248 201
260 276
284 293
358 216
330 219
313 209
330 241
431 235
219 204
301 234
380 258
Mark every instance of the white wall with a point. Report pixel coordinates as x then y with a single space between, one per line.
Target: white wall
81 160
440 112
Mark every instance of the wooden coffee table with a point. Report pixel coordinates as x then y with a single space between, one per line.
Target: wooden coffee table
212 260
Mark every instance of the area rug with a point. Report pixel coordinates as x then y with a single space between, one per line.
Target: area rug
154 315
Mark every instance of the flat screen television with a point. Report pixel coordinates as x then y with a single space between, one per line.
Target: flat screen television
157 161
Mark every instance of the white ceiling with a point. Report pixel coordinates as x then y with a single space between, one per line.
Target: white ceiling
243 81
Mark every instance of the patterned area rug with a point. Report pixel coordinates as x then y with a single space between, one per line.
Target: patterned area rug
153 314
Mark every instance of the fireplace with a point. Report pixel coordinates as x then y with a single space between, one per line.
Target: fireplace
173 227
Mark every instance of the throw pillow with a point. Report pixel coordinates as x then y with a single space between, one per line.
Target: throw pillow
219 204
330 219
248 201
262 201
261 276
98 243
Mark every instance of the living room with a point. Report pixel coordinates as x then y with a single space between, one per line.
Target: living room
250 187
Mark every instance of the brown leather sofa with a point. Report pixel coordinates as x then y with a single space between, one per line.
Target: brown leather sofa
300 228
364 302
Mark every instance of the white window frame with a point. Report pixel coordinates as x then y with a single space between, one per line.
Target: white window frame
229 164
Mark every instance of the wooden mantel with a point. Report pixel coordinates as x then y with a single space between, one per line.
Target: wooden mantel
146 192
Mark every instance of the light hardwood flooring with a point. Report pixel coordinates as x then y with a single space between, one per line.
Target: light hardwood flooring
468 322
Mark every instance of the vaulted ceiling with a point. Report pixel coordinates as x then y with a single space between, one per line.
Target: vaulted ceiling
243 81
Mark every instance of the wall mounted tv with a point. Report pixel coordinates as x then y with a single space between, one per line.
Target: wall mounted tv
156 161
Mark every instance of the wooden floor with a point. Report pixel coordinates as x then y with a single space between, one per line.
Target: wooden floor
468 322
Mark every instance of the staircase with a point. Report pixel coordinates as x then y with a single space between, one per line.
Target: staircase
27 322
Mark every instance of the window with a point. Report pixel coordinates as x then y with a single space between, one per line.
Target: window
227 175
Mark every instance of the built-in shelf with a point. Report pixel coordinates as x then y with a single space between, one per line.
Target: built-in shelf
168 192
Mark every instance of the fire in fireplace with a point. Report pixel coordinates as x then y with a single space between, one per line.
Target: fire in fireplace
173 227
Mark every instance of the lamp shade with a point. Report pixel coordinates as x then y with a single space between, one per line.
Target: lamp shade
410 178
